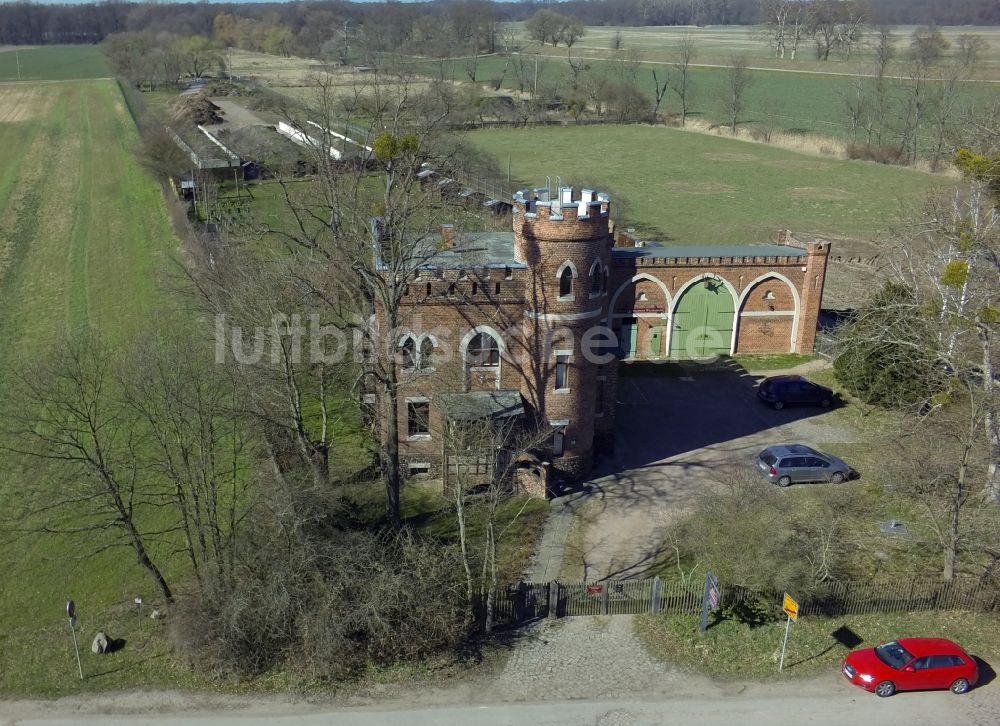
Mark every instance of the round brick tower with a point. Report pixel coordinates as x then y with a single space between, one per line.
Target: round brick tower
564 241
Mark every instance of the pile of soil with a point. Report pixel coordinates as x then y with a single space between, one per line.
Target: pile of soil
228 88
195 109
262 144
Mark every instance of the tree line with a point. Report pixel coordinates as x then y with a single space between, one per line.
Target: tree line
315 23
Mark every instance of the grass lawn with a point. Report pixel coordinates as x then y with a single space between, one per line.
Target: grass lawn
776 362
687 188
53 63
732 650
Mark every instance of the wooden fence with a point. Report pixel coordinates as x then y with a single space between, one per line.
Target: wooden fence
525 601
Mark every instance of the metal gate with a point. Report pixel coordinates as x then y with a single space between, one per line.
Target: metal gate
611 597
703 321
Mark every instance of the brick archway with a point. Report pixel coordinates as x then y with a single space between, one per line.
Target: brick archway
703 320
766 313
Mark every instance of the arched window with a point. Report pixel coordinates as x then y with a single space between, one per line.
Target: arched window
566 281
407 352
596 278
483 351
426 353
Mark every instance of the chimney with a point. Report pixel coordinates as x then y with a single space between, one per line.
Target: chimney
448 235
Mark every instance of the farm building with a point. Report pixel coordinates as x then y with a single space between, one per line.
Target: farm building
536 322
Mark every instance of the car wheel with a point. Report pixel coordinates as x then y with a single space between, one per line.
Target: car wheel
837 477
784 481
885 689
778 405
825 403
960 686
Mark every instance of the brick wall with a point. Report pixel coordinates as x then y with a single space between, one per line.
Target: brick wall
773 335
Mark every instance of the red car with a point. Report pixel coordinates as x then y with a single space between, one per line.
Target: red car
911 664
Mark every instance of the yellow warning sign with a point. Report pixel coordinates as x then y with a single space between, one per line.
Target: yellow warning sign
790 607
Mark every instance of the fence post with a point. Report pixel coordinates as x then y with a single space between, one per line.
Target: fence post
554 599
654 605
605 598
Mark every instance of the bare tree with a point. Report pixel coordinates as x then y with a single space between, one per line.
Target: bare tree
189 412
482 455
352 257
67 423
659 89
944 326
773 16
737 80
686 53
947 486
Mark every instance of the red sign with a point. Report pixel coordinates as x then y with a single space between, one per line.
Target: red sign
647 309
595 589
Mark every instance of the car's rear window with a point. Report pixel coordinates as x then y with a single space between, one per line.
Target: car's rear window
768 458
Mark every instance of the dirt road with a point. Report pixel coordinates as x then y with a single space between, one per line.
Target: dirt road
572 671
756 707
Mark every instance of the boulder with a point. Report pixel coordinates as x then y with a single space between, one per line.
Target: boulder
100 644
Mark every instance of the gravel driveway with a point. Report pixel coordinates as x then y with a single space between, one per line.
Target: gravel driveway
677 435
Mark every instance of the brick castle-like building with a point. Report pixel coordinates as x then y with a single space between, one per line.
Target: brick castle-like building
536 322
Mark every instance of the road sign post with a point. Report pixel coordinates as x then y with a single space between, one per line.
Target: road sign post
710 600
791 608
71 614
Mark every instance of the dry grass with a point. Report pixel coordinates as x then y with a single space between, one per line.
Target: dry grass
811 144
24 103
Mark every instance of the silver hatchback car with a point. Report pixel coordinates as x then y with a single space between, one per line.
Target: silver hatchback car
785 464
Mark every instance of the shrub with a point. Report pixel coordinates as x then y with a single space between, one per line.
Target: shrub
885 355
879 154
328 610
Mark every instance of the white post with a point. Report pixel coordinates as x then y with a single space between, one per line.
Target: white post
784 644
76 647
17 59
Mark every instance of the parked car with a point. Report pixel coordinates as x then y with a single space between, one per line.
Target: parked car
784 464
781 391
911 664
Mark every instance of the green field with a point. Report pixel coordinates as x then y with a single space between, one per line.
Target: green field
716 43
84 228
798 102
687 188
53 63
84 240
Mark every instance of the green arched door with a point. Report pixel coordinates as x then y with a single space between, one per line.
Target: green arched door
703 321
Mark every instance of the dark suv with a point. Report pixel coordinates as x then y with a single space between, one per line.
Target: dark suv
781 391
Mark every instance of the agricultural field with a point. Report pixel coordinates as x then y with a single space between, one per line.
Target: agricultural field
83 227
804 97
52 63
688 188
798 101
84 240
716 43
